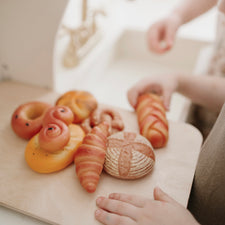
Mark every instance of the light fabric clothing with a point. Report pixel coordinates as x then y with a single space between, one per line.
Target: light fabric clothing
207 199
203 118
217 64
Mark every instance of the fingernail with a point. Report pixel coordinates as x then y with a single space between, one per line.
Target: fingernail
159 189
98 200
97 212
111 195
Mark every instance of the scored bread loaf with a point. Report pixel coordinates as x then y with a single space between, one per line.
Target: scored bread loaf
128 155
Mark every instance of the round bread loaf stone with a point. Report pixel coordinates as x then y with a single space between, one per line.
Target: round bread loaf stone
128 156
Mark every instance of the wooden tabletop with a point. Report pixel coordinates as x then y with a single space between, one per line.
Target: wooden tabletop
58 198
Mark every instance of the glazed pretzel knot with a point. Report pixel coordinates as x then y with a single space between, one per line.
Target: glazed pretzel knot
100 115
82 103
152 119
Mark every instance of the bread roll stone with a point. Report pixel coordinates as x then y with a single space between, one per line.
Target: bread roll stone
128 156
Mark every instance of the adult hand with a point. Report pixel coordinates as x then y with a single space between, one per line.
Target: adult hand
163 85
161 35
123 209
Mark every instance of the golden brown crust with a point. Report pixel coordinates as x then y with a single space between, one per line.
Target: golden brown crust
43 161
128 156
104 114
90 157
152 119
82 103
27 118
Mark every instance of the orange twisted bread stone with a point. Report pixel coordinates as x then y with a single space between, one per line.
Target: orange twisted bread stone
53 148
27 119
90 157
128 156
152 120
55 134
43 161
82 103
99 115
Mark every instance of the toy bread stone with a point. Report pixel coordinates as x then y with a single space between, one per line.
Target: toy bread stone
90 157
82 103
101 114
128 156
152 119
27 119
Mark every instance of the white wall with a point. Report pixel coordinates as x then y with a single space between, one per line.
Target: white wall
27 36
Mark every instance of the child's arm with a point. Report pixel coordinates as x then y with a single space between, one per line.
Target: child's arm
208 91
205 90
187 10
161 34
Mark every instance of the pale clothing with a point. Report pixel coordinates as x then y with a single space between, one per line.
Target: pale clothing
203 118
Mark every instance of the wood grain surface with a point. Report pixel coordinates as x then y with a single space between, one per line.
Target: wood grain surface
58 198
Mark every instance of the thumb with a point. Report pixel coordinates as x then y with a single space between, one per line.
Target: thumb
160 195
167 99
170 36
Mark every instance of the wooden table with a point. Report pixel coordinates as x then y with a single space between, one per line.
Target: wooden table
58 198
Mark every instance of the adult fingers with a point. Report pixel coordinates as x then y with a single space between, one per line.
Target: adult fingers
108 218
135 200
117 207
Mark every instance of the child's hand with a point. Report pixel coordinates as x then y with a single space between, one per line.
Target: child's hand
164 86
126 209
161 35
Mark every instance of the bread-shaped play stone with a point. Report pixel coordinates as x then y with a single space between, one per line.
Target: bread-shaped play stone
128 156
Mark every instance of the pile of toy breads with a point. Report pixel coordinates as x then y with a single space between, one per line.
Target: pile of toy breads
78 130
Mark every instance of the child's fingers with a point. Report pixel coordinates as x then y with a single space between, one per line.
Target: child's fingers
117 207
112 219
155 39
132 96
135 200
170 36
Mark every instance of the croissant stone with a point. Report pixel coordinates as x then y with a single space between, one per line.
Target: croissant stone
128 156
152 119
90 157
